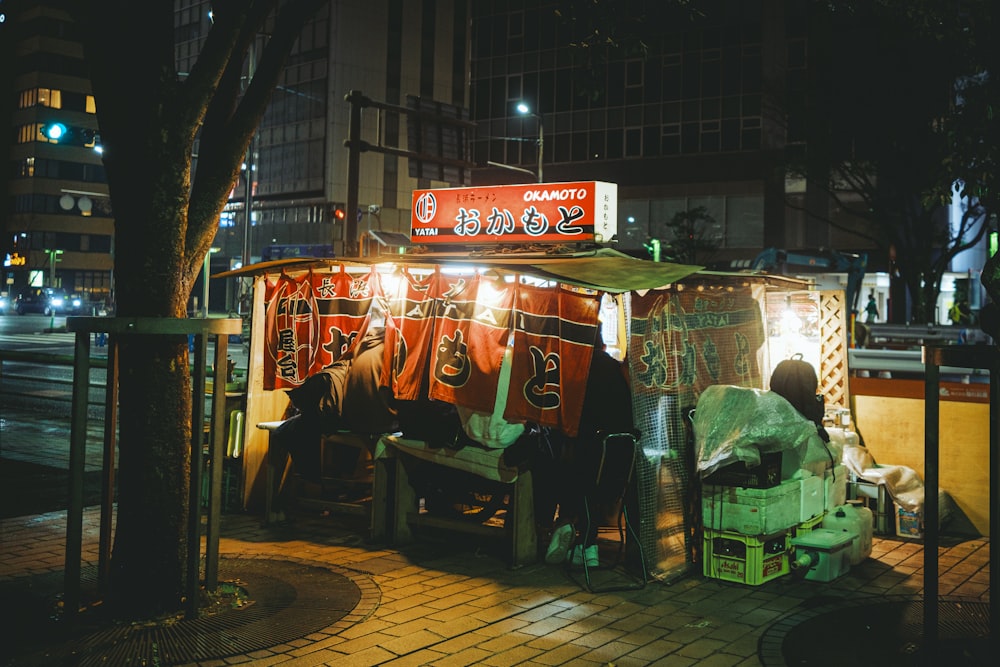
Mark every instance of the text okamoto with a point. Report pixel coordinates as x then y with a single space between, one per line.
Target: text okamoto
564 194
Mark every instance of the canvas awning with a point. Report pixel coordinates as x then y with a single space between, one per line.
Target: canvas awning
602 269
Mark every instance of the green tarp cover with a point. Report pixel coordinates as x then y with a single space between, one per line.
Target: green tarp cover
603 269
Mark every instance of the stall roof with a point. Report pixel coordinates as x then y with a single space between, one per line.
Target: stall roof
602 269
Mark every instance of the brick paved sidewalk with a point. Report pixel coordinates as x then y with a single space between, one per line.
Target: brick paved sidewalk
448 602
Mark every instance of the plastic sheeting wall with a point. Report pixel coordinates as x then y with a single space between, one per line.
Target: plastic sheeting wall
682 339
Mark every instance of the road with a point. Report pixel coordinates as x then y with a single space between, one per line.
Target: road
48 388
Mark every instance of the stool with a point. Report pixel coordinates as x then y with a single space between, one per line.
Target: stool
615 472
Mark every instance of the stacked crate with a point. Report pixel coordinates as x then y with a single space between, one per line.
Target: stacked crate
747 529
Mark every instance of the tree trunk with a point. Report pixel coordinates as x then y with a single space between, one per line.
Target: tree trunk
148 560
164 225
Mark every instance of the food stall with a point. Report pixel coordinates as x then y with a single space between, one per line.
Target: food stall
505 331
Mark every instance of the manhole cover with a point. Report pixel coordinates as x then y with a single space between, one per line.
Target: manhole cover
285 601
886 631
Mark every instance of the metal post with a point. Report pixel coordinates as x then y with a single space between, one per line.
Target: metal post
993 355
930 510
248 204
357 101
194 488
108 466
541 146
77 459
248 195
204 285
215 458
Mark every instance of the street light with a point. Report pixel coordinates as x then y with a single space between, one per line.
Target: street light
524 109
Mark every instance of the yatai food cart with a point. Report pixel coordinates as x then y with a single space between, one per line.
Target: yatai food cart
496 312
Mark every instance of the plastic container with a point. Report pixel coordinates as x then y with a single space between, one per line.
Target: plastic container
823 554
859 522
745 559
752 511
911 524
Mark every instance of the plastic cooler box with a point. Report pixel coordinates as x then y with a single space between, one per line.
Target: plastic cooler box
835 486
745 559
751 511
826 553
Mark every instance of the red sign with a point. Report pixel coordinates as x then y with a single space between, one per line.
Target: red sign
531 213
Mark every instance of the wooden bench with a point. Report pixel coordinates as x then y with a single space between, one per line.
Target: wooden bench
395 505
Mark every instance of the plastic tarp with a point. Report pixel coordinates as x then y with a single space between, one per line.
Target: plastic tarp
602 269
737 424
902 483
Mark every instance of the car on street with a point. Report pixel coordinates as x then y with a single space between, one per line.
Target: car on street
4 303
43 300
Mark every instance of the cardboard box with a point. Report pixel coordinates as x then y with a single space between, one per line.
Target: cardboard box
745 559
752 511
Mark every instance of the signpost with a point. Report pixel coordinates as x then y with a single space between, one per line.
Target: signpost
581 212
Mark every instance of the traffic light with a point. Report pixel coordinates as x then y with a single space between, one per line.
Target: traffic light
70 135
339 212
54 131
653 248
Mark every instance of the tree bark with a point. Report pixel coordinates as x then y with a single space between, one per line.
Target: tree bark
149 554
165 221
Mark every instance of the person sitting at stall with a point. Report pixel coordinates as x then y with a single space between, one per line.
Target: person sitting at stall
345 396
607 408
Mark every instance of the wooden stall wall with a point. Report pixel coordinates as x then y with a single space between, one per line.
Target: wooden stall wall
889 416
263 405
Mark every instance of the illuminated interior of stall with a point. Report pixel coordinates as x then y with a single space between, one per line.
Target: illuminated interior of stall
678 336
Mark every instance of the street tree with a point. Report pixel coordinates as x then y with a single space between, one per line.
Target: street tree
898 117
692 237
896 110
166 217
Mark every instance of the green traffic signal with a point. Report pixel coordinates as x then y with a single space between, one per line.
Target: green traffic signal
54 131
70 135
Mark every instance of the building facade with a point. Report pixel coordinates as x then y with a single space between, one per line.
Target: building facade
57 221
703 119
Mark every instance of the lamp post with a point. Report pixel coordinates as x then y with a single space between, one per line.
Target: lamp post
53 258
524 109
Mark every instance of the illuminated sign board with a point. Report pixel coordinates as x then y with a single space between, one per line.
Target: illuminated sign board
531 213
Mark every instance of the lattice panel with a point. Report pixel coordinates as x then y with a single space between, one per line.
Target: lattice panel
833 371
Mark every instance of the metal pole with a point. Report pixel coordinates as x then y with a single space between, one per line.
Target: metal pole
541 146
194 478
77 459
204 285
357 100
993 363
248 194
248 204
932 413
